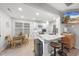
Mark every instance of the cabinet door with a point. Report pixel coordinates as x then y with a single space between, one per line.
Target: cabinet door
66 39
70 41
73 41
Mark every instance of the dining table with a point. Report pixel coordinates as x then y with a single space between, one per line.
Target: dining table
18 39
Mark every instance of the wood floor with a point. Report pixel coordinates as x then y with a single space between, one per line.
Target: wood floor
73 52
27 50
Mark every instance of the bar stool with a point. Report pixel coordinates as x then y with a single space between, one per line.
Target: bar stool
61 51
56 46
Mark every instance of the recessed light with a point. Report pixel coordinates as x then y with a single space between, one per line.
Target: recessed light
22 16
20 9
37 13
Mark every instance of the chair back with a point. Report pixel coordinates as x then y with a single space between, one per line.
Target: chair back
8 37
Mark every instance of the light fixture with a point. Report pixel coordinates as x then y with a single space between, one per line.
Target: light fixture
22 16
20 9
37 13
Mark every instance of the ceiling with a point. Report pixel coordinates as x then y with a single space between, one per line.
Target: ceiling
26 12
37 11
59 7
65 6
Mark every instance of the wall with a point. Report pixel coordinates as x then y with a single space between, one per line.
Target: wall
56 22
74 28
5 23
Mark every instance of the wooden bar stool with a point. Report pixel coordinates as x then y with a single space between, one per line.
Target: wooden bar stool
61 52
55 45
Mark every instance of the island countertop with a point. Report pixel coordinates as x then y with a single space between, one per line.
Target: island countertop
46 39
50 37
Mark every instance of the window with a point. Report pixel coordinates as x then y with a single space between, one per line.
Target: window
22 27
26 28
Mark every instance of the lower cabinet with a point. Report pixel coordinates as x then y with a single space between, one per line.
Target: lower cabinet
70 40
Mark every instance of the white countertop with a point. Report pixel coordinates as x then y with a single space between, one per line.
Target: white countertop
50 37
46 39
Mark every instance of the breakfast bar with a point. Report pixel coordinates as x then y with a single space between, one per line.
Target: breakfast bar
46 39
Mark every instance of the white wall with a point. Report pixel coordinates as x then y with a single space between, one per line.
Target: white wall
56 22
5 23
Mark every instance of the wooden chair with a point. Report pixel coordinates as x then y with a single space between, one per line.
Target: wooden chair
9 40
25 39
17 40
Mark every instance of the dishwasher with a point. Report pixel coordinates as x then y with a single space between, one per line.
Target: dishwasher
38 47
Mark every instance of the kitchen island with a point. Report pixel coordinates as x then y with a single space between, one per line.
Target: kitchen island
46 39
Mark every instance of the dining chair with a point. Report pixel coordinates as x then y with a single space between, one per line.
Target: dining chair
17 40
10 42
25 39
